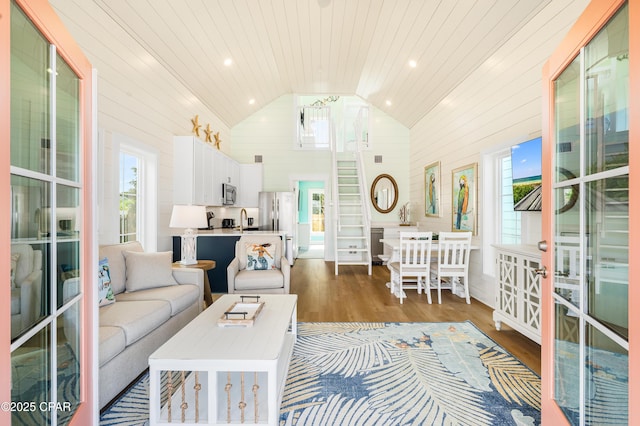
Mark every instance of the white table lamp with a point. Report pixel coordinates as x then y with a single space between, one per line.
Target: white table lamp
188 217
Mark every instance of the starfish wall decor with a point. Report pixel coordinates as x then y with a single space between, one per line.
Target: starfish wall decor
207 133
196 126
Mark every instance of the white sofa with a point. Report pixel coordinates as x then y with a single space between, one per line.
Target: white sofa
144 315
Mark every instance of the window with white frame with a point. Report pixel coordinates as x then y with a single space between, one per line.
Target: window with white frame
128 196
510 223
136 194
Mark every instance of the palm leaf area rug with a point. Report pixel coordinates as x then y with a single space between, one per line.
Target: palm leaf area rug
390 374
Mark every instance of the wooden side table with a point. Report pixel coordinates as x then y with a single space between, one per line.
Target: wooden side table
205 265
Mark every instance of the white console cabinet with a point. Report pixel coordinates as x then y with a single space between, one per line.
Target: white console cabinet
518 293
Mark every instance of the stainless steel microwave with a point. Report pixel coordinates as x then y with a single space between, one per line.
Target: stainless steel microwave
228 194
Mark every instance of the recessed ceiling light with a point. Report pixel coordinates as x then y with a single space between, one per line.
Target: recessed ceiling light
413 63
228 62
388 102
252 101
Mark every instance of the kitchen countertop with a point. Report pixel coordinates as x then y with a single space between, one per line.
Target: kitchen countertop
222 232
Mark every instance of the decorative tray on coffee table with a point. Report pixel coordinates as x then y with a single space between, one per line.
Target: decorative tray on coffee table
241 314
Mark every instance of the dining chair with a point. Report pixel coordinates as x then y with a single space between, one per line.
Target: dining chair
413 264
453 261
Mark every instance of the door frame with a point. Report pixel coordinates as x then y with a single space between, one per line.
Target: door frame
294 180
51 27
594 17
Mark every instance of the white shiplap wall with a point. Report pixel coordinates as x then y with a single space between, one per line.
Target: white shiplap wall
270 132
137 100
499 102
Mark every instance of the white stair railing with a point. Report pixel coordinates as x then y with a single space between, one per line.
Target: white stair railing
335 201
366 212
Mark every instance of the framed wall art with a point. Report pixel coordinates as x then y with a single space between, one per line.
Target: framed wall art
464 198
432 189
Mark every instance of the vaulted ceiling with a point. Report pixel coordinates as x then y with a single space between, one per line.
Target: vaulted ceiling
324 47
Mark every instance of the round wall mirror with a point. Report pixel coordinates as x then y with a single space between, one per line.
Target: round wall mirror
384 193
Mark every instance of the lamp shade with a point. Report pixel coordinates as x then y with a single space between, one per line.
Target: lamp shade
188 217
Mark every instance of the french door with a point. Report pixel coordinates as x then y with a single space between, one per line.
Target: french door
47 363
589 133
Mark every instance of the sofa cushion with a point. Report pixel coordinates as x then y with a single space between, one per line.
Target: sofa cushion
148 270
112 342
180 297
113 253
137 319
254 280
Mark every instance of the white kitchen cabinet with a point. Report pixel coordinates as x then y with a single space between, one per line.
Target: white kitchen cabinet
187 170
199 172
250 185
518 293
219 176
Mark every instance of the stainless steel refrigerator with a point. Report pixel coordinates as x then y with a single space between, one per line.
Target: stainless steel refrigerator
278 213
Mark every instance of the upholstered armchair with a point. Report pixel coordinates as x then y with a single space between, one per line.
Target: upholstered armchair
26 287
259 266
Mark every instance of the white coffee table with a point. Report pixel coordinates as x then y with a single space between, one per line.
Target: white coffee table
239 372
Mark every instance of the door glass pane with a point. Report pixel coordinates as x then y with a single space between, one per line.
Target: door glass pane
30 217
68 361
567 122
606 380
29 253
67 122
30 86
68 243
317 212
568 269
567 361
608 250
30 379
606 60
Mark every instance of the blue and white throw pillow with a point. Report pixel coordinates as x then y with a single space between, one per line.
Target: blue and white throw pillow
105 292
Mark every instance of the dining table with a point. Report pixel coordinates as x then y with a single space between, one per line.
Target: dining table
394 245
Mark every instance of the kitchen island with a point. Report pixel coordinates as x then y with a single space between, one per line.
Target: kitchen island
219 245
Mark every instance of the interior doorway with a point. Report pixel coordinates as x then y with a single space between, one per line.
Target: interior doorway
311 219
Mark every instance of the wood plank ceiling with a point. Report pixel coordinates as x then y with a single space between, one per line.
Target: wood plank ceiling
324 47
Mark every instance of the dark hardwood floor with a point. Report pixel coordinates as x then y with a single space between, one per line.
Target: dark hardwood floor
354 296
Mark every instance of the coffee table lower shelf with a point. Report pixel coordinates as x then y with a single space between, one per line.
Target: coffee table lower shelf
221 391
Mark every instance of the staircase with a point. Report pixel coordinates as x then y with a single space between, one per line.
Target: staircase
351 212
